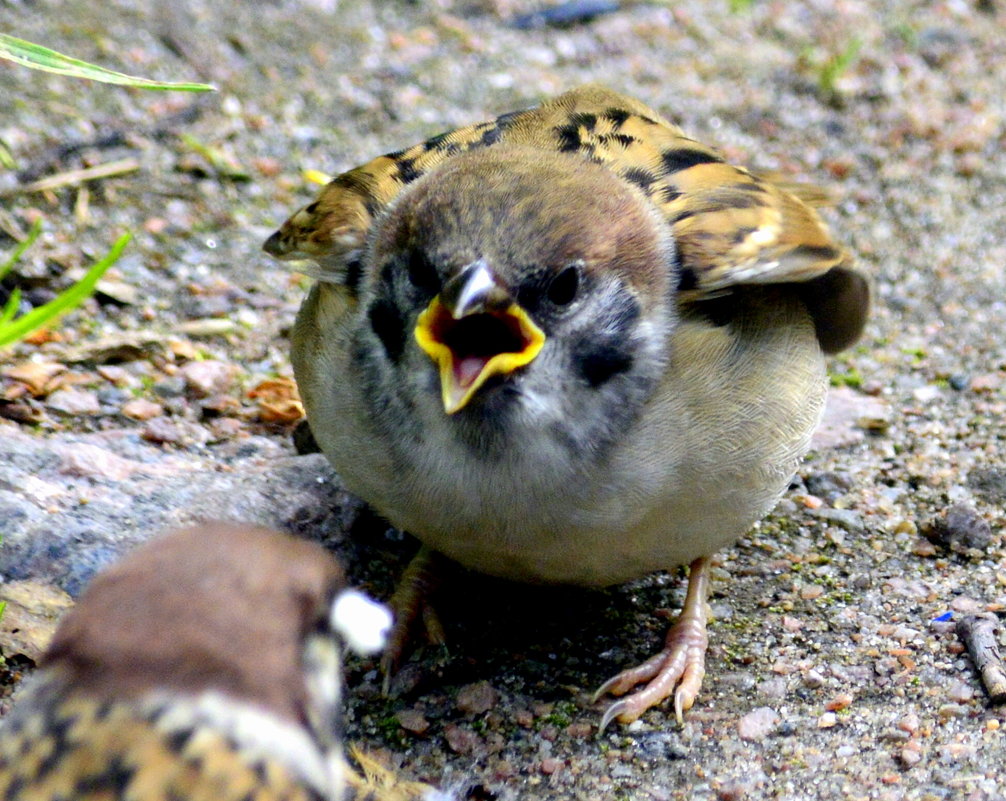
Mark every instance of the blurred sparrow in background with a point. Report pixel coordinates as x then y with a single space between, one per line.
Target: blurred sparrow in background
206 664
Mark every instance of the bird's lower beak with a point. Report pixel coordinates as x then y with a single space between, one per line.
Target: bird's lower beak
474 330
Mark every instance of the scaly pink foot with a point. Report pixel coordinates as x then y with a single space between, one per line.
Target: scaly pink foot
677 669
410 604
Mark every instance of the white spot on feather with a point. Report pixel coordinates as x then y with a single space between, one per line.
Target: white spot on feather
362 622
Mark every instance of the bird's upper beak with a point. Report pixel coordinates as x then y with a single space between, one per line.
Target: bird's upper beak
474 330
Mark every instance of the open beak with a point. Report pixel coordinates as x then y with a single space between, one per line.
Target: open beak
474 330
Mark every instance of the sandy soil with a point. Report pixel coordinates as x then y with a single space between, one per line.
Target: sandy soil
827 675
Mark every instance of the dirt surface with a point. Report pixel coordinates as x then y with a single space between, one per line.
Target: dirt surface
833 671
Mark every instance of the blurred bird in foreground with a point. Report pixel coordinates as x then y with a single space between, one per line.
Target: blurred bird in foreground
569 345
206 664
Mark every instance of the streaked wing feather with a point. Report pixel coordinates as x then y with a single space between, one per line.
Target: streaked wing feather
375 782
732 227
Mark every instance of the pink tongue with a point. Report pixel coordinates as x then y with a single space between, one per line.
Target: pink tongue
467 369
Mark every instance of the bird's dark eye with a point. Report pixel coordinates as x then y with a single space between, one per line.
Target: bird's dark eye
562 289
422 273
353 272
386 321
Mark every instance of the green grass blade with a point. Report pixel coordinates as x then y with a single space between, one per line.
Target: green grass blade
15 330
6 159
36 57
29 240
837 65
11 306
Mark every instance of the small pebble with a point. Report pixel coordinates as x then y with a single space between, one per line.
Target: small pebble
660 745
960 692
829 484
947 711
208 377
524 718
926 394
412 720
792 624
989 483
218 405
112 396
811 502
461 740
74 401
910 755
170 387
503 769
827 720
733 790
955 752
550 766
183 350
959 381
738 680
474 699
965 604
905 527
862 582
161 430
82 459
142 409
35 375
117 375
119 291
223 428
960 526
845 518
813 680
21 412
758 724
839 702
208 327
989 382
909 723
773 689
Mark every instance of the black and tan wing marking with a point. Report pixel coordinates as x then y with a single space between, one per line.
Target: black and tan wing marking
731 226
76 747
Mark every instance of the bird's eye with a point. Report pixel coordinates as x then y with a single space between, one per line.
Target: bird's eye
562 289
353 272
422 273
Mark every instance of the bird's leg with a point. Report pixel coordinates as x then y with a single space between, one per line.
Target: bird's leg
409 603
677 669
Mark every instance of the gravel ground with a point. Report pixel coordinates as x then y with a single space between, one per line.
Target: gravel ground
832 670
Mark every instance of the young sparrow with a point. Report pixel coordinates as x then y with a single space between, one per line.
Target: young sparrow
204 665
570 345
